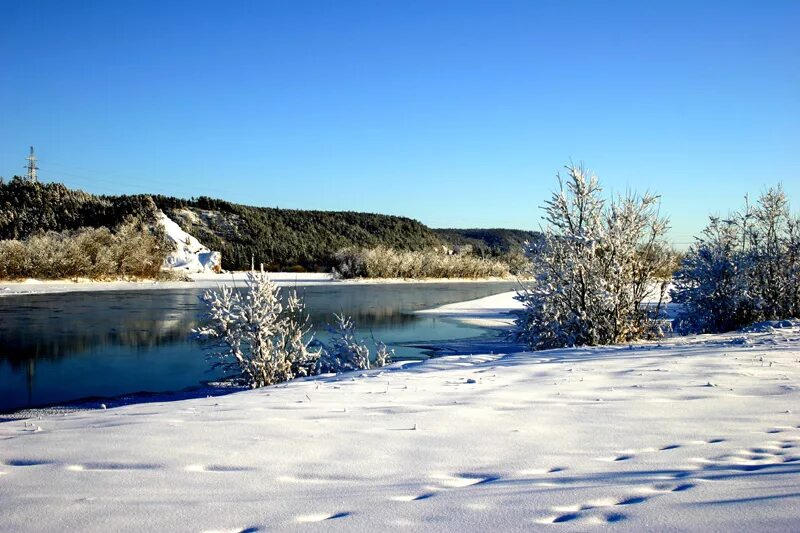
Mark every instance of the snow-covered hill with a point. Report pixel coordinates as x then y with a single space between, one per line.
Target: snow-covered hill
188 254
694 434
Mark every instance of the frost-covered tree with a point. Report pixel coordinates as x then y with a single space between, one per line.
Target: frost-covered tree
345 352
742 269
256 335
596 264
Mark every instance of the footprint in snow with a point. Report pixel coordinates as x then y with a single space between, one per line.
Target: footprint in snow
575 512
617 458
412 498
26 462
112 467
218 468
542 471
666 487
234 530
458 481
321 517
612 518
633 500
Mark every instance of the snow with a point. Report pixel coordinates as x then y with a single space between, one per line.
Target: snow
490 312
188 253
204 280
692 434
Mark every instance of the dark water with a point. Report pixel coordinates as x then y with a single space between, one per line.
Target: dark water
63 347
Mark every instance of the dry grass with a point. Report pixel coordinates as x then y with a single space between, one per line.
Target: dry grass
384 262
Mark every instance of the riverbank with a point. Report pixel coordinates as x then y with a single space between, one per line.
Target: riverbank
689 434
202 281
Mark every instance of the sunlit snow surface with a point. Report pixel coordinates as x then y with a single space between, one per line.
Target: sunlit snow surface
699 433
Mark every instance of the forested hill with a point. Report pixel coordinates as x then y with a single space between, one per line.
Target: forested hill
489 242
283 238
280 238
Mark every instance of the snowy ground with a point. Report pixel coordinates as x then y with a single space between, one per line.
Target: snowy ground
199 281
699 433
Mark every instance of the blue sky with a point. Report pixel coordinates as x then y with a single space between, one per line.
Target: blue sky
456 113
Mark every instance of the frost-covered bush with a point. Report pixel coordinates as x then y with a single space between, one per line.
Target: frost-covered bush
345 352
742 269
262 341
257 336
594 268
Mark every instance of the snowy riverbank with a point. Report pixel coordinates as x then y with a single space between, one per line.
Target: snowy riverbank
200 281
696 433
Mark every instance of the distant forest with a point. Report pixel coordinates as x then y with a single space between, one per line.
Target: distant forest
279 238
489 242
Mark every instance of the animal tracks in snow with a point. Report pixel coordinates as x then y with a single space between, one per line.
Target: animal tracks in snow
600 511
627 455
776 453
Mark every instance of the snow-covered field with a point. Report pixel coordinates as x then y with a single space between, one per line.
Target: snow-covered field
698 433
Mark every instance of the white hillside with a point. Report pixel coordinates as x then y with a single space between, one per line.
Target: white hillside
189 254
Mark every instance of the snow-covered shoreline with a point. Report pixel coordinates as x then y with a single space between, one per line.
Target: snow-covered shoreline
495 311
201 281
691 434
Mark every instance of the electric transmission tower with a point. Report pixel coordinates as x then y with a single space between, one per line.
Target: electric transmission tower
31 166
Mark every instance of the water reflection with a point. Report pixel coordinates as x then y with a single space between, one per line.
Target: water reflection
60 347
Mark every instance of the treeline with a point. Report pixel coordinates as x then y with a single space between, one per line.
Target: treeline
382 262
30 208
281 239
287 238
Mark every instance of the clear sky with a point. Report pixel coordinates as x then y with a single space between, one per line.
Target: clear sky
456 113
